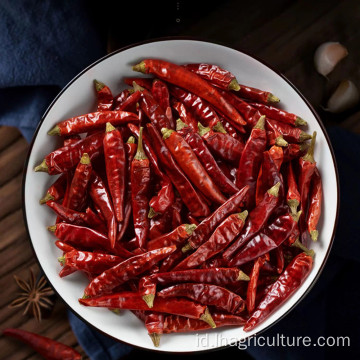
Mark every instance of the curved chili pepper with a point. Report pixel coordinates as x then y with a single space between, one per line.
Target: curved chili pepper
114 153
129 104
192 167
179 76
141 81
67 157
128 269
222 145
46 347
91 121
94 263
223 235
254 94
250 160
101 198
104 96
190 197
133 301
198 106
215 75
175 237
253 284
280 115
314 205
120 98
256 220
140 186
271 237
288 282
76 199
161 94
307 166
68 215
202 152
69 176
206 294
290 134
56 191
185 115
292 196
63 246
208 225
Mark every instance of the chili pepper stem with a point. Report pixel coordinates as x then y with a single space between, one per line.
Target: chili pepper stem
140 153
131 140
149 299
46 198
54 131
52 228
208 319
272 98
302 247
166 133
98 85
300 122
234 85
219 128
116 311
293 205
274 191
304 136
189 228
280 141
155 339
42 167
61 260
140 67
297 215
314 235
243 215
261 123
186 248
202 129
243 277
152 213
85 159
180 124
109 127
309 156
137 87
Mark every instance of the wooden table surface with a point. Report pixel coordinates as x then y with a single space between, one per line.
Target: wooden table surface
284 33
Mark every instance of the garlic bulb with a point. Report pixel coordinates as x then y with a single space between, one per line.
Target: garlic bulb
344 97
327 57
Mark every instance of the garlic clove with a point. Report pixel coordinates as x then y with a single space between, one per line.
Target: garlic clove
327 56
344 97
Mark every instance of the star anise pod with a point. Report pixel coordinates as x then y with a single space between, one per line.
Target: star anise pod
34 297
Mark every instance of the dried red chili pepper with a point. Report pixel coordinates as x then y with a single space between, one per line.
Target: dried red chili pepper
192 167
190 197
232 131
208 225
133 301
256 220
250 160
56 191
179 76
140 186
94 221
141 81
66 270
115 160
222 145
216 75
46 347
175 237
185 115
63 246
289 133
288 282
128 269
314 205
94 263
293 151
280 115
101 198
280 260
129 104
277 154
68 215
268 239
120 98
254 94
77 196
172 260
202 152
161 94
292 196
67 157
307 166
104 96
223 235
206 294
91 121
253 284
197 105
72 139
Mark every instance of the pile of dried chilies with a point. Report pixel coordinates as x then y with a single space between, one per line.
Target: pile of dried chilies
183 184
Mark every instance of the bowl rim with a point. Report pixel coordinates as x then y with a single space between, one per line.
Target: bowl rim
195 39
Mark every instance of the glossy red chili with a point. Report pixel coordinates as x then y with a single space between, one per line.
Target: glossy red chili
253 284
104 96
161 94
315 203
184 114
57 190
289 133
292 195
255 94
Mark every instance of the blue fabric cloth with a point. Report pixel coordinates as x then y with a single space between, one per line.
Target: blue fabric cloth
44 44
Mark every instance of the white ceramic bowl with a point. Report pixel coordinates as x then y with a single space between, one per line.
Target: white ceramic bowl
78 98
